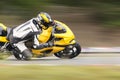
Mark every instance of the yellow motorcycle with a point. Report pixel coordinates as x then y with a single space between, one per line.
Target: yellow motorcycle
65 45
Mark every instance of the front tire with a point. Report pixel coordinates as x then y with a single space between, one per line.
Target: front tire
69 52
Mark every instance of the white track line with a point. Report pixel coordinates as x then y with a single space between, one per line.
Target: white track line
101 49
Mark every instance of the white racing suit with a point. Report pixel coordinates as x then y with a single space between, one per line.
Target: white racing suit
22 33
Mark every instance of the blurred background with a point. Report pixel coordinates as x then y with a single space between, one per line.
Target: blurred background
95 23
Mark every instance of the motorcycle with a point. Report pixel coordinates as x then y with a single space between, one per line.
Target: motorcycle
65 45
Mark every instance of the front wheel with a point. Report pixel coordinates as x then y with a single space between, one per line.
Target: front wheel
69 52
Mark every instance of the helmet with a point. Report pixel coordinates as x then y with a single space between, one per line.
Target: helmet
45 19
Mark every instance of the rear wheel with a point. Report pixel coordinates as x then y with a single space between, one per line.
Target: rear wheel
70 51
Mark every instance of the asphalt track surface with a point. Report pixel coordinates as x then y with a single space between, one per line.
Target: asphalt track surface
82 59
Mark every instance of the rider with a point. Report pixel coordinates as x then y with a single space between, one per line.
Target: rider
46 21
29 30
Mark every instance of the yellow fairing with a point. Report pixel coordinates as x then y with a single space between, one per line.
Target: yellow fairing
54 50
57 49
39 51
3 39
45 35
66 38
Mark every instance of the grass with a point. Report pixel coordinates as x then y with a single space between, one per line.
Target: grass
35 72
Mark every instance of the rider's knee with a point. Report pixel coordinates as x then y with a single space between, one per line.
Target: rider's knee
27 54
